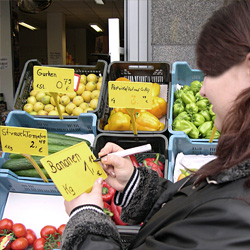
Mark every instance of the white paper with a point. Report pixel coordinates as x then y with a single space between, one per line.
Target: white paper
35 211
190 162
163 94
89 137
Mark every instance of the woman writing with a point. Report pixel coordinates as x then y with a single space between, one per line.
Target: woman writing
208 210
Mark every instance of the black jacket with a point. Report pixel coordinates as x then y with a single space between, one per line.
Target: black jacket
214 215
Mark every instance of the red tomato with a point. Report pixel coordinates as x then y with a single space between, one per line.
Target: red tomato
61 228
8 246
20 244
19 230
39 244
6 224
30 236
47 230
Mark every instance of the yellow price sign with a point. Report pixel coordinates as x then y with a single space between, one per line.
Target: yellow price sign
21 140
53 79
73 170
130 94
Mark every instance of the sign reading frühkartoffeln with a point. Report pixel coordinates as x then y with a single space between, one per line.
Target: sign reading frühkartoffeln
23 140
124 94
73 170
53 79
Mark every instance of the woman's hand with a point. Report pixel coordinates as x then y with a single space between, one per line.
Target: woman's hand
92 198
119 169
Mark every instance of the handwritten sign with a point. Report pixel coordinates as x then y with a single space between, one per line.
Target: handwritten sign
130 94
73 170
53 79
22 140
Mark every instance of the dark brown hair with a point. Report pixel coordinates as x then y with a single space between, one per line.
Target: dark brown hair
225 39
224 42
234 143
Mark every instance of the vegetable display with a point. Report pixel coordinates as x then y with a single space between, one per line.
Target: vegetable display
109 208
154 164
193 113
117 213
107 192
146 119
56 142
15 236
82 100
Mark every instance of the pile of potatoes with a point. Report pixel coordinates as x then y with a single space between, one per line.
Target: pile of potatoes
84 99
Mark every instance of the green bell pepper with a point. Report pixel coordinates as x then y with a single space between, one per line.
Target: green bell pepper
216 135
211 112
183 116
213 117
198 97
205 114
178 93
177 109
195 86
179 100
204 128
188 97
192 108
197 119
182 125
203 104
185 88
194 133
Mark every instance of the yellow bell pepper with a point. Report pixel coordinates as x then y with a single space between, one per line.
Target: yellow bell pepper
119 121
106 127
123 110
156 89
146 121
112 112
159 107
162 126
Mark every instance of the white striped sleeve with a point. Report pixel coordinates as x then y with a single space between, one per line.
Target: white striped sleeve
123 199
85 207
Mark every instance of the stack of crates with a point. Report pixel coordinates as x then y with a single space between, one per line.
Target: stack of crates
182 74
12 185
167 142
155 72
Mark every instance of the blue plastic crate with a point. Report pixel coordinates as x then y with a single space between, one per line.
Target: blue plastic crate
31 213
84 124
3 197
182 74
127 233
14 183
182 143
